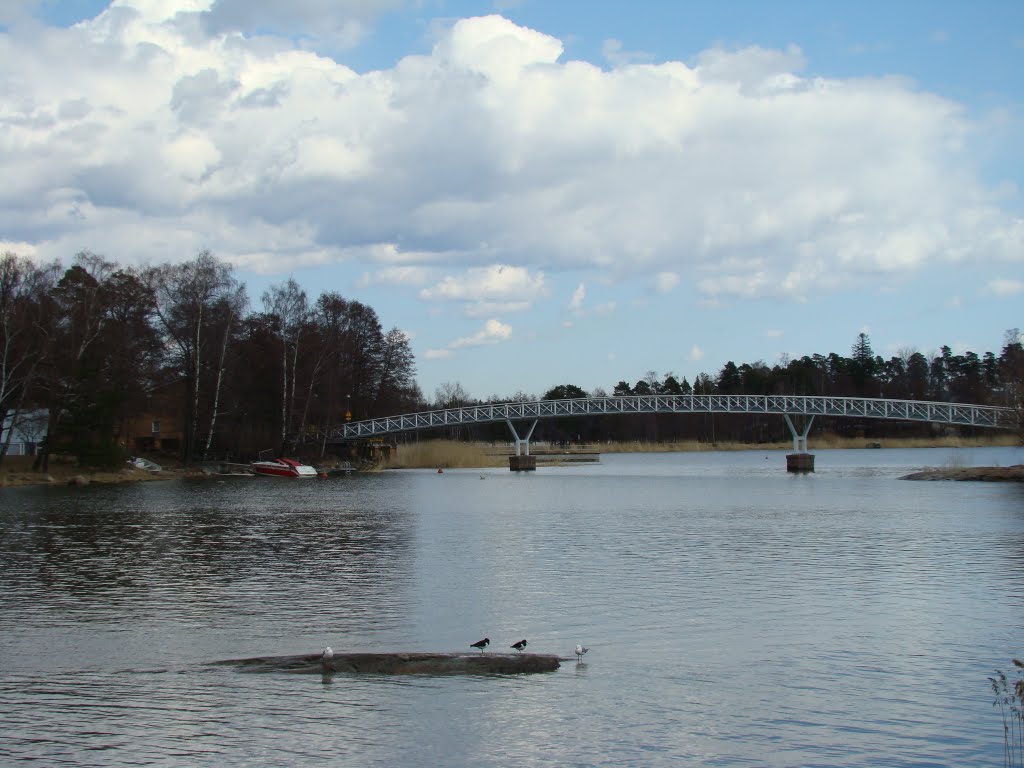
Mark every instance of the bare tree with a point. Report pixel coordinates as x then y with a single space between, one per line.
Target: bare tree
191 300
287 305
79 315
230 308
24 289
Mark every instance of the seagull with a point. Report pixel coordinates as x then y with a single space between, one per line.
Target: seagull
580 650
481 644
328 654
519 646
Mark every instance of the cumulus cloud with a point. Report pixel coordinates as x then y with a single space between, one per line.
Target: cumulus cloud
156 129
497 289
696 353
493 332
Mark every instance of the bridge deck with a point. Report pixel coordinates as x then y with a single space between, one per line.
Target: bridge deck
854 407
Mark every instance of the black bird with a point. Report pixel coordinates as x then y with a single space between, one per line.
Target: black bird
481 644
519 646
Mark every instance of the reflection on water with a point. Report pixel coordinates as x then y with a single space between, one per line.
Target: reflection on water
736 615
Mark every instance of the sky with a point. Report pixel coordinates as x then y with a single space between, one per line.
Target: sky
541 193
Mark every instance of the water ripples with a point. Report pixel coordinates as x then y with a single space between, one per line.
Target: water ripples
736 616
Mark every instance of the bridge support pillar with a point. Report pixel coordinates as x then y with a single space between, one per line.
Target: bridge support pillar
799 460
522 461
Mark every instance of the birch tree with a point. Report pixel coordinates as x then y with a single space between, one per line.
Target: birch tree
190 300
286 304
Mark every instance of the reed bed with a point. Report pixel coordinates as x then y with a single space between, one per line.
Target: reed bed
452 454
444 454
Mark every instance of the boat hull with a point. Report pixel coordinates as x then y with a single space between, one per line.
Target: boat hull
283 468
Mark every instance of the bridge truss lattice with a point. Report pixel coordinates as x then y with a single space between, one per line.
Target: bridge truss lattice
960 414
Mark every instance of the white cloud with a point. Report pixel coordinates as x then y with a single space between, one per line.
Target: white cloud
498 281
497 289
1004 287
614 53
493 332
140 136
438 354
576 302
403 276
484 308
696 353
12 11
773 333
664 282
344 22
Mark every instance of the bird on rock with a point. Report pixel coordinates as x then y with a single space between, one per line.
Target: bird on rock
481 644
580 650
328 654
519 646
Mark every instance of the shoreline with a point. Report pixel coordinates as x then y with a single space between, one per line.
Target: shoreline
16 471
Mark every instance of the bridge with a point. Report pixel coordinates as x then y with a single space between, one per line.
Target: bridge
787 406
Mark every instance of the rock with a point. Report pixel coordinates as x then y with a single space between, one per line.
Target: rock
402 664
79 480
982 474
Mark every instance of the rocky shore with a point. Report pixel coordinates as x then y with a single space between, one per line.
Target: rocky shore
1011 474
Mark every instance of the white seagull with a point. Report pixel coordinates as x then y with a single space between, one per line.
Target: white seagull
328 654
580 650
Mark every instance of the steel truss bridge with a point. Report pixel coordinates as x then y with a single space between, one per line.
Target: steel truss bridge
787 406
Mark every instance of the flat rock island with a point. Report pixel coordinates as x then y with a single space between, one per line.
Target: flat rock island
401 663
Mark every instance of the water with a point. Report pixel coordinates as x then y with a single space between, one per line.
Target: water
736 615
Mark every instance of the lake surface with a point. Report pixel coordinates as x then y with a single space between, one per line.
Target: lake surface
736 615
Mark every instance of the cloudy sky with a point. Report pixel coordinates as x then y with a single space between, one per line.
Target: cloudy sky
540 192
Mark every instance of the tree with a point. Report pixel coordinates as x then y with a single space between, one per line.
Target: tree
194 303
396 374
287 307
1011 375
450 395
564 392
70 387
24 292
863 367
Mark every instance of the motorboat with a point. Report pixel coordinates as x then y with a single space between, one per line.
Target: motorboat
283 468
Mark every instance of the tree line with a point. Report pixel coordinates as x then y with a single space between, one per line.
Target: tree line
986 379
96 345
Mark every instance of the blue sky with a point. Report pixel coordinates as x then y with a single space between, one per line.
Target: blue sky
542 193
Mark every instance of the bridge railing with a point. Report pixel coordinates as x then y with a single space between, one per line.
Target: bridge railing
855 407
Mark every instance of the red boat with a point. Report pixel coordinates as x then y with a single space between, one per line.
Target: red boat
283 468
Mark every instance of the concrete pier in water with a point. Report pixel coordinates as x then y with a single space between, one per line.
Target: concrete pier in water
799 462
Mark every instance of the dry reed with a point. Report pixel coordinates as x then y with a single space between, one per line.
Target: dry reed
451 454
